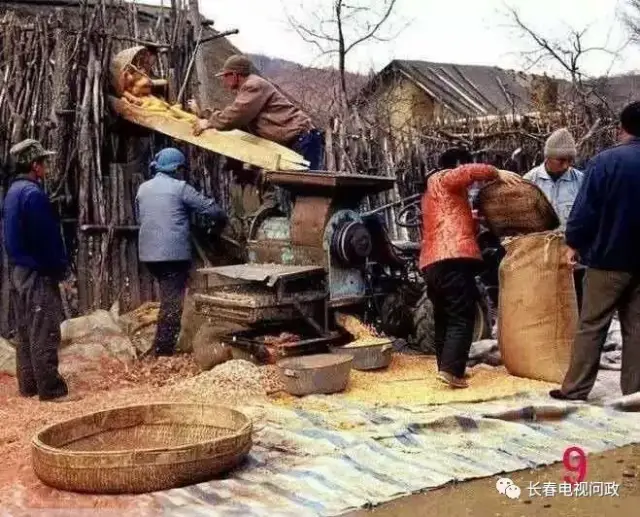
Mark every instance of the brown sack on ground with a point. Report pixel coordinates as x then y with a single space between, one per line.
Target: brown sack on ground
208 351
140 326
538 313
189 324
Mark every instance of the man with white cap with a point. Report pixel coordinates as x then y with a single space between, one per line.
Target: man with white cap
38 259
560 182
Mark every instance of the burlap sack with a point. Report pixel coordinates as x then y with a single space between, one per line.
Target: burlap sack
208 350
538 312
189 324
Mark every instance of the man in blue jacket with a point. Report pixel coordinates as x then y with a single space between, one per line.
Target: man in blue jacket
34 245
603 231
164 205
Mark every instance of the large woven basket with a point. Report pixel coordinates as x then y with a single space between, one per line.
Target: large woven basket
140 449
518 209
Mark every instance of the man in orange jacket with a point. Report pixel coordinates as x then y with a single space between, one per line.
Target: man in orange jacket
450 259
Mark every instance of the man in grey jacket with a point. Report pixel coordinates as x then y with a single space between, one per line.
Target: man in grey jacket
557 177
164 205
560 182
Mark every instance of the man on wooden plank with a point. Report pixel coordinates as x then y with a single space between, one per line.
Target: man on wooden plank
36 252
164 204
261 109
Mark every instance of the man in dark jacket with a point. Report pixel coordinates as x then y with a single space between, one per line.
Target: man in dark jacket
33 240
603 232
164 205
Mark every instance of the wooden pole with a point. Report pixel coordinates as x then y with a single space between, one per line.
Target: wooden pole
202 75
61 97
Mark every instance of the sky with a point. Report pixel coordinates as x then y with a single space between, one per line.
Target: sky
452 31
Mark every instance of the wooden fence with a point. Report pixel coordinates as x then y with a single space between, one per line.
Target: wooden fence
53 79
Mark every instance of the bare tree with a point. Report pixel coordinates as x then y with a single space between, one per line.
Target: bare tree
568 53
631 19
337 27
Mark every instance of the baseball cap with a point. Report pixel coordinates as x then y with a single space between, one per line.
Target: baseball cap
29 151
238 64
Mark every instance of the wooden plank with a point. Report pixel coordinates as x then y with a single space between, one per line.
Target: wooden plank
130 252
117 209
146 283
202 75
358 184
156 114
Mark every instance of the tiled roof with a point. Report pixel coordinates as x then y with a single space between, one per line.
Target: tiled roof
478 91
466 90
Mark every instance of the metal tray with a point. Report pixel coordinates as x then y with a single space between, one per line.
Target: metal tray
321 373
369 357
252 342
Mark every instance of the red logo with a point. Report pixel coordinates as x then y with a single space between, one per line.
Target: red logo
575 461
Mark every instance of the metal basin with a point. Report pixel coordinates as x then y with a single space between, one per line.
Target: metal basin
370 357
321 373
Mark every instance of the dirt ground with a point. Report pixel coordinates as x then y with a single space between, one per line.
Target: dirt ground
107 384
479 498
